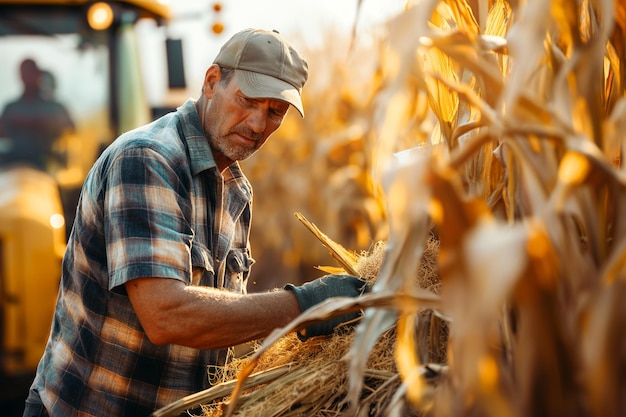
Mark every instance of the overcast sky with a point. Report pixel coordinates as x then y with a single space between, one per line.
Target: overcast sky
301 17
303 22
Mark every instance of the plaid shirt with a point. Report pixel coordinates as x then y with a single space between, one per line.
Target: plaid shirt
153 205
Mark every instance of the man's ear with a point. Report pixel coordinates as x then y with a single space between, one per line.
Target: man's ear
211 78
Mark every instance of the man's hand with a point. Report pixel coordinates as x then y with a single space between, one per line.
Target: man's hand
314 292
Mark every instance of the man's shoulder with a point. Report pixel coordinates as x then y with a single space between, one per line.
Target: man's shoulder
161 135
150 145
14 105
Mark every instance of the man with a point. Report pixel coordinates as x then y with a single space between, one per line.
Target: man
34 122
154 277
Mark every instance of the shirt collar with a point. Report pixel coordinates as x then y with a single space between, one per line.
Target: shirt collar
200 154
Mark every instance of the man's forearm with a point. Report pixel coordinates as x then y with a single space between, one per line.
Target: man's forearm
207 318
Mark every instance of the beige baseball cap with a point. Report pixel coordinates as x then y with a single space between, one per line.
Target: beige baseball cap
265 65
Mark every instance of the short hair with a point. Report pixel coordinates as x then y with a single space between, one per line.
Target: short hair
227 74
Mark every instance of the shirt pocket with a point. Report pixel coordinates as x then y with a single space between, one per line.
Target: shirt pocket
238 263
202 271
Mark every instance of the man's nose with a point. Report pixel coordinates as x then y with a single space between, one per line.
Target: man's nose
257 120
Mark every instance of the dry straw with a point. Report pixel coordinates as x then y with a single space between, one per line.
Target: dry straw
292 378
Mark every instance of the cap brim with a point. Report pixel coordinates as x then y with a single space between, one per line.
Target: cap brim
256 85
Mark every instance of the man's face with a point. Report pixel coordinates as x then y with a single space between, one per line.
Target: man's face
236 125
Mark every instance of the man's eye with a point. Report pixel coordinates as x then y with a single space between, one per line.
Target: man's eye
277 114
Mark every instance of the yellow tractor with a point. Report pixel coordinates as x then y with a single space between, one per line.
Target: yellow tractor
71 81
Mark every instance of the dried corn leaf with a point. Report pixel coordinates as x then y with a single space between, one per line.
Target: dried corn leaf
346 258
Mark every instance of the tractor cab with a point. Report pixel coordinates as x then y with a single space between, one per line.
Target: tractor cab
72 78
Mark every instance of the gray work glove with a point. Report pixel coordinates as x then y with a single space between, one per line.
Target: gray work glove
325 287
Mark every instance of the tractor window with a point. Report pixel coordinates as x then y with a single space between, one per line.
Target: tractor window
54 110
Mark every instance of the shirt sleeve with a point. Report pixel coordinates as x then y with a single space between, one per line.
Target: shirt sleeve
147 218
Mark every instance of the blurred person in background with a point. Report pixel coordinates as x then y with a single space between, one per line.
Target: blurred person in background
153 289
35 121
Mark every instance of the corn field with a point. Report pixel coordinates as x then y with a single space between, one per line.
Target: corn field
496 127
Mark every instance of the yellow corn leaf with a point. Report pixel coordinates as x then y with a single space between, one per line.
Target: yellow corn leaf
406 358
331 269
473 53
532 175
525 42
451 212
499 19
409 224
443 101
603 352
543 341
457 14
346 258
481 262
617 48
566 14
